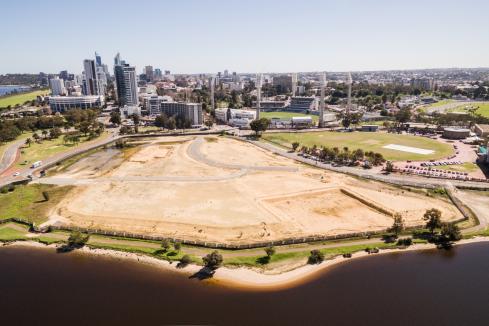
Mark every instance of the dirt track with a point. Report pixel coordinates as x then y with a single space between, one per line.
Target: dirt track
219 189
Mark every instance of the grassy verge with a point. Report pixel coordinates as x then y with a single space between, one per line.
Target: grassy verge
27 202
465 167
10 234
46 148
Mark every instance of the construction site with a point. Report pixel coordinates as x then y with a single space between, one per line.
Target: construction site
223 190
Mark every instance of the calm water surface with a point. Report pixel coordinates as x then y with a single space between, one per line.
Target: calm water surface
40 287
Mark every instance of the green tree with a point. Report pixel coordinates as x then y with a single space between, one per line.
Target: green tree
269 251
177 246
165 244
433 219
28 142
259 125
450 232
213 260
77 239
185 260
295 145
389 167
398 225
115 118
316 257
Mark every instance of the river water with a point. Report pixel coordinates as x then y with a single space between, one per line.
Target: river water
7 89
40 287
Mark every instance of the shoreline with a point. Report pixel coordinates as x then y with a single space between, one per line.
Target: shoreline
243 278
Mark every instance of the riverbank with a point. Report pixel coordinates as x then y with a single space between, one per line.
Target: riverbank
242 277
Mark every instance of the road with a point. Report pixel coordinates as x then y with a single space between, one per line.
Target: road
10 155
49 161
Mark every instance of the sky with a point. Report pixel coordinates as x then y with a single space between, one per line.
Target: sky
207 36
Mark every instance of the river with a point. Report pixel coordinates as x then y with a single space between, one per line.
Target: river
436 287
7 89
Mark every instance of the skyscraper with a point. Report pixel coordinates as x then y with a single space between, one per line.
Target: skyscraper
98 59
90 84
148 70
126 83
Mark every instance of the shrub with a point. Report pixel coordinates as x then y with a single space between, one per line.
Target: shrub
185 260
405 242
4 190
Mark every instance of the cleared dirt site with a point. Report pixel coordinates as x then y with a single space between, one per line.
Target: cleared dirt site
223 190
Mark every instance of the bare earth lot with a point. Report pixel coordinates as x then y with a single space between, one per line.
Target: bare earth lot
224 190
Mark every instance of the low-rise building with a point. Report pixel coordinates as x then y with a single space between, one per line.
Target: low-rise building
481 130
64 103
456 133
189 111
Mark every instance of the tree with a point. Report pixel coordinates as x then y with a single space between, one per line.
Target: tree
213 260
259 125
172 123
54 133
165 244
450 232
316 257
295 145
28 142
177 246
270 251
433 219
44 133
77 239
398 225
389 167
115 118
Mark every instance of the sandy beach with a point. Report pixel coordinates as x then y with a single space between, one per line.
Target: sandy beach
242 277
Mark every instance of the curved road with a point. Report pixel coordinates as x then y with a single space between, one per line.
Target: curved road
10 154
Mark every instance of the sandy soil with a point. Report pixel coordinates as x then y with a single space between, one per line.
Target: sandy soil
255 206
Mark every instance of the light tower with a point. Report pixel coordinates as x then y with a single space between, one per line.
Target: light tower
258 94
321 103
349 81
294 83
212 82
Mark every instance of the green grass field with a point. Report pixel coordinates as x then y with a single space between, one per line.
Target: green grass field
287 115
46 148
465 167
367 141
480 108
27 202
13 100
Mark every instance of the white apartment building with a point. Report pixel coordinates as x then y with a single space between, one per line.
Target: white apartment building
57 86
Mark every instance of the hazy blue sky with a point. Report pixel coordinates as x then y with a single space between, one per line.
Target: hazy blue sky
245 36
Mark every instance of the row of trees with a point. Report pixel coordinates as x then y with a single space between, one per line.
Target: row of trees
344 156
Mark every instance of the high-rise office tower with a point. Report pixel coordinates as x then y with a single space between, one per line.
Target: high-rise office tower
90 85
63 74
126 82
98 59
148 70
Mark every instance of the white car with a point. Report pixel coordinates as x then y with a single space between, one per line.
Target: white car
16 174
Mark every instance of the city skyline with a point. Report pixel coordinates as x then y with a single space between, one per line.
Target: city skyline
195 37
